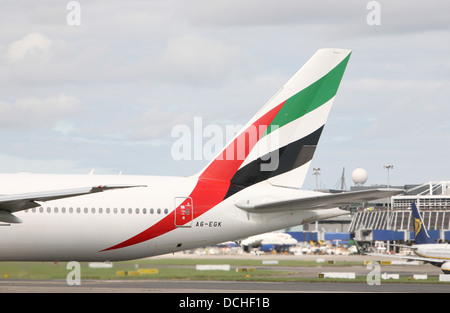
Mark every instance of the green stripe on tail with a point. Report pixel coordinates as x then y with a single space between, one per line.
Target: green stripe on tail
310 98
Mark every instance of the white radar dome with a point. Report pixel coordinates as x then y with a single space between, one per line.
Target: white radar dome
359 176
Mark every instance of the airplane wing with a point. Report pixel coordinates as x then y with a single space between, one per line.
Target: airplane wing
319 201
18 202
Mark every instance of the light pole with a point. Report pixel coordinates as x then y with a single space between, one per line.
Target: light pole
316 171
388 167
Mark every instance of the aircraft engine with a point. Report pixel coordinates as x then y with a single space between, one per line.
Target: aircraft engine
446 268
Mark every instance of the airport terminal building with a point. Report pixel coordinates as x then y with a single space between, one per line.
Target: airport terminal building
388 219
391 219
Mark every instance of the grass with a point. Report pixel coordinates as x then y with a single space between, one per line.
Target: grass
167 269
242 262
184 269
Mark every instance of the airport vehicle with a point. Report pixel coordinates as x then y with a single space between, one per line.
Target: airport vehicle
424 248
251 187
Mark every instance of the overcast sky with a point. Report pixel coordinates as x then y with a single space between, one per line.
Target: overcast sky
106 94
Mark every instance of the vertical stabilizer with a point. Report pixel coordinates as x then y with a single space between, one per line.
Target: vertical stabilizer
420 232
279 142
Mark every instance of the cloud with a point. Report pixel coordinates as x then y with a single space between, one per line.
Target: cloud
190 59
35 113
233 13
414 16
196 59
41 60
145 66
33 45
156 122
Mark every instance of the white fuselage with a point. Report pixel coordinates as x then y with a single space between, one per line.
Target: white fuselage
137 222
434 251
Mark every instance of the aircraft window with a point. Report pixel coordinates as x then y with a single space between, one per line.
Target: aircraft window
115 210
86 210
122 210
144 211
166 211
93 210
137 211
41 210
108 210
151 211
78 210
63 210
159 211
130 210
49 210
33 210
100 210
70 210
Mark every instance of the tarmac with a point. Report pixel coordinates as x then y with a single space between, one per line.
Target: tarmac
204 287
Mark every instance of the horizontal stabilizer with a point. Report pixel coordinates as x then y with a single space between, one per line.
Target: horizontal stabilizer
319 201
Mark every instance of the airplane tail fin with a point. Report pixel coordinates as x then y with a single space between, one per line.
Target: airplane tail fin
278 143
420 232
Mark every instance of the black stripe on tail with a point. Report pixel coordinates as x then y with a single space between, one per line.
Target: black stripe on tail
291 156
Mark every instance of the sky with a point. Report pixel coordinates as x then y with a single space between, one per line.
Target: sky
101 85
